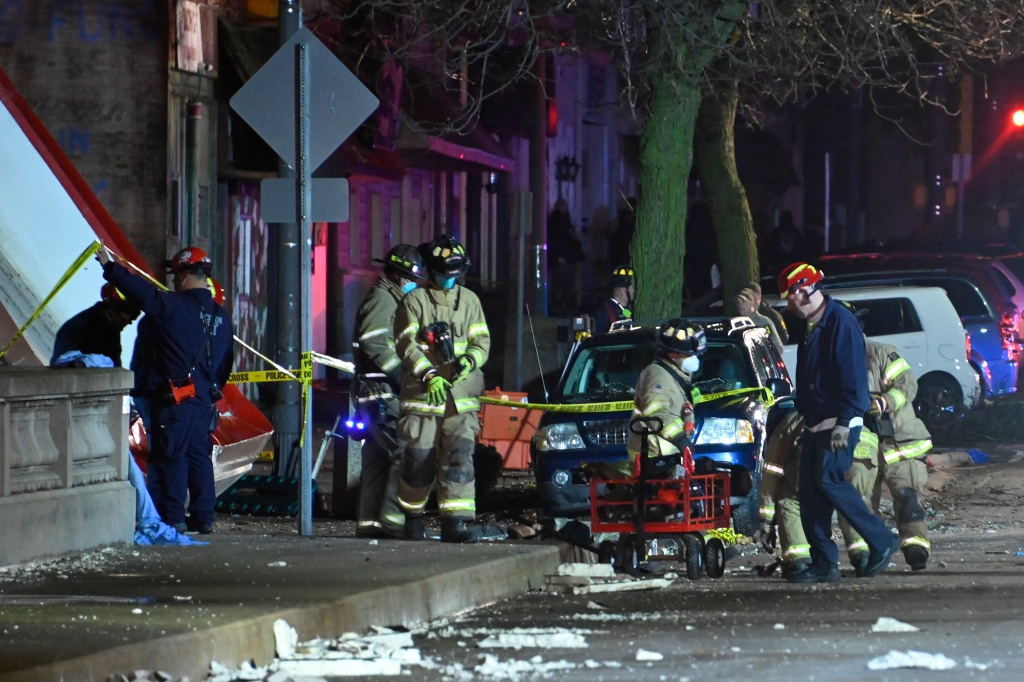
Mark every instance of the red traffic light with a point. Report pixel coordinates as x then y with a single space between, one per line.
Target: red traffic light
1017 118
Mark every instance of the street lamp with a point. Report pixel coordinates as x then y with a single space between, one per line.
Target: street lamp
566 169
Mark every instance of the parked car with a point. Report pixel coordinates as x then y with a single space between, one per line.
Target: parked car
732 425
922 323
977 289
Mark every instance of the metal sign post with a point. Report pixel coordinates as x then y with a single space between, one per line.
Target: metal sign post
304 103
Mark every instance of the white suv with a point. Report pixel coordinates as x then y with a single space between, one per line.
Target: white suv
924 326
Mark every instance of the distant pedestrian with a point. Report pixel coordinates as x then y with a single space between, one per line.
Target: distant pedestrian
620 241
771 313
744 302
565 252
618 306
832 396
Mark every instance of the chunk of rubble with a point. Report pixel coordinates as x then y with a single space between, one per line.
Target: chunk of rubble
911 659
586 570
886 624
645 655
554 639
285 639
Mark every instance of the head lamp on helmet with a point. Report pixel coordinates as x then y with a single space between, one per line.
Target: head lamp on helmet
622 276
446 257
679 336
798 276
403 260
189 259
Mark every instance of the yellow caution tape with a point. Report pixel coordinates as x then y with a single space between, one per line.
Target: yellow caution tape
726 535
65 278
270 375
619 406
701 398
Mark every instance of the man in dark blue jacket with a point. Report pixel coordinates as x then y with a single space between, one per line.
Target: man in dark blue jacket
191 361
832 397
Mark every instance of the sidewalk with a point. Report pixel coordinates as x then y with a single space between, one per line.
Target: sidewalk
176 609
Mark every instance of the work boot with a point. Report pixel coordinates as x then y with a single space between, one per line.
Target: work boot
916 556
180 527
814 575
203 528
859 561
415 528
456 530
793 567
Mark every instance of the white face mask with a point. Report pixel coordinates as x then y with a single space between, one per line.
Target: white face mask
690 364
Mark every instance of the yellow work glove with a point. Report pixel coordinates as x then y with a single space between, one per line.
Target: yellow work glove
437 390
463 366
879 405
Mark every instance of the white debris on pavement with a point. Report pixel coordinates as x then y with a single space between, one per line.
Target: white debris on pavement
586 570
552 639
494 668
887 624
277 564
645 655
911 659
594 605
285 639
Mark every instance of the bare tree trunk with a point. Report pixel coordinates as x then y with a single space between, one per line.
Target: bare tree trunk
666 156
715 148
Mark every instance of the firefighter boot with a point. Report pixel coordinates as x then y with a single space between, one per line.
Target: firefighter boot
414 529
916 556
456 530
859 561
792 567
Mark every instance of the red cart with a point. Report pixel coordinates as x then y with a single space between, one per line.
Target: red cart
689 511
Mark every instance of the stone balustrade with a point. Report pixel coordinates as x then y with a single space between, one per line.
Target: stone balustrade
63 461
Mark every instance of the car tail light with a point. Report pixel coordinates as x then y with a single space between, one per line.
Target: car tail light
1006 331
967 344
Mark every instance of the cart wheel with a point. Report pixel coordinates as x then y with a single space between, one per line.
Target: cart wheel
714 558
694 557
626 559
606 552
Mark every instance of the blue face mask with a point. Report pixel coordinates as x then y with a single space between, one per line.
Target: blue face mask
446 282
407 287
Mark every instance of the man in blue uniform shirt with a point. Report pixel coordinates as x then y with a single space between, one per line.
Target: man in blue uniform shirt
832 396
191 360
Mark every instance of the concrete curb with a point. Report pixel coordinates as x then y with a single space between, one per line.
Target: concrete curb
409 604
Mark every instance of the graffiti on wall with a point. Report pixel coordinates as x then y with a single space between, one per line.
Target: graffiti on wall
248 276
89 21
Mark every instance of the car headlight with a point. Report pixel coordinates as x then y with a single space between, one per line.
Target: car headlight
725 431
564 436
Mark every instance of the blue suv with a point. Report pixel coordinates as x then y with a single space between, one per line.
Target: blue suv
744 391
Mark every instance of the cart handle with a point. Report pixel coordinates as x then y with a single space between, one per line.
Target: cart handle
646 426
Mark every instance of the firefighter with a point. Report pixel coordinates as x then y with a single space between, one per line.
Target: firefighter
893 452
443 340
97 330
779 504
378 379
191 358
832 396
617 307
663 391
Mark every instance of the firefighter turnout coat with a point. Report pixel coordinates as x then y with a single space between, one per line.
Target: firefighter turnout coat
890 375
660 393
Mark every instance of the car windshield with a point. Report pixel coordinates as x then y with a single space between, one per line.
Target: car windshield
610 372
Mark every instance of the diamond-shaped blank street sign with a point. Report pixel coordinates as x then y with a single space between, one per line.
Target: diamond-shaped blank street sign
338 102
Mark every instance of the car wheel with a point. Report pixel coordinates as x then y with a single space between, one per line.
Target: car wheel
694 557
714 558
939 403
746 514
